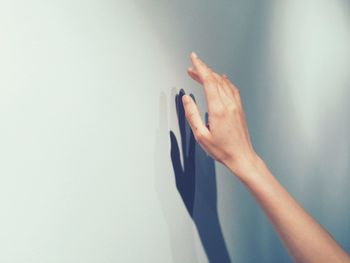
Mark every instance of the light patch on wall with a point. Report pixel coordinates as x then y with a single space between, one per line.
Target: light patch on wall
311 42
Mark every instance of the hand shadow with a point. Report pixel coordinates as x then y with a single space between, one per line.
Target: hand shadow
196 184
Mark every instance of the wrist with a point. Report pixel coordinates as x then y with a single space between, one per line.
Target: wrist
247 167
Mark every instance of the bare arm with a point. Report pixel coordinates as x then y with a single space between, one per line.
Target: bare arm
226 138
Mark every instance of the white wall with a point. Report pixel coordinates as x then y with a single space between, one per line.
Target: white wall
87 102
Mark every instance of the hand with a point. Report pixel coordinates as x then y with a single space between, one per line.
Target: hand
225 137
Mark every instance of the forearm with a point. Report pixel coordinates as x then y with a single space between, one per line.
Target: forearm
304 238
226 138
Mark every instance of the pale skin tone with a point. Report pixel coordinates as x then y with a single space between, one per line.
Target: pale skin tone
226 139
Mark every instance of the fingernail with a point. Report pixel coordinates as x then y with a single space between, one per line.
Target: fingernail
194 55
185 98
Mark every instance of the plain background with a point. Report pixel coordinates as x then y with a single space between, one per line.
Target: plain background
87 101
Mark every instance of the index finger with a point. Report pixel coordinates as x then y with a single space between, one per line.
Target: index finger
208 79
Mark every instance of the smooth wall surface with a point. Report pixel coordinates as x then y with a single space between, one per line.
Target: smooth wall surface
87 101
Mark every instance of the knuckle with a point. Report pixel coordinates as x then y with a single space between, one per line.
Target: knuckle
217 77
233 107
218 111
236 93
209 77
200 136
190 114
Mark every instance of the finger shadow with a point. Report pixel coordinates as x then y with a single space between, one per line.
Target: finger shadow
181 243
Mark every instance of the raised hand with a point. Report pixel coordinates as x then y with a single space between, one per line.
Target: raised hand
225 137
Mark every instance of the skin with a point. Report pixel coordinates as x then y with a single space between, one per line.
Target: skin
226 138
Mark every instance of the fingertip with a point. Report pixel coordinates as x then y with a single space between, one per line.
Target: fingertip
193 55
186 99
191 71
172 135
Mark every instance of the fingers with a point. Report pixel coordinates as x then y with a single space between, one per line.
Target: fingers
203 70
236 95
200 131
224 90
225 86
207 78
194 75
233 90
